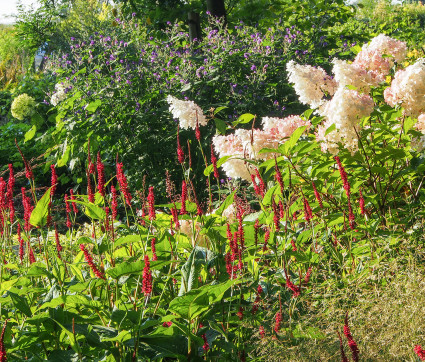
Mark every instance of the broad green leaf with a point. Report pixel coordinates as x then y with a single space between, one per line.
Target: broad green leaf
220 125
197 301
20 303
210 168
127 239
93 106
39 269
72 338
77 300
245 118
218 109
190 270
226 203
65 157
39 214
267 200
94 212
136 267
291 142
330 129
31 133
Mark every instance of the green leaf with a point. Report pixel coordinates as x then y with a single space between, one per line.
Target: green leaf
93 106
136 267
331 128
30 134
127 239
72 338
65 157
39 214
94 212
191 269
245 118
219 109
210 168
197 301
291 142
267 200
226 203
220 125
20 303
77 300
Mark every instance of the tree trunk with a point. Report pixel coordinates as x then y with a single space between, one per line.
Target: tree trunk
217 9
194 26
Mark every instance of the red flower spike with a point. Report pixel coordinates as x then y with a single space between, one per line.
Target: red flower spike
147 278
107 211
3 356
58 243
341 347
114 203
266 239
307 275
278 320
262 332
276 215
54 181
240 313
90 262
183 210
122 180
351 343
151 203
361 203
420 352
175 215
100 175
294 288
90 193
343 174
197 130
294 246
180 153
74 204
308 214
154 257
214 162
68 210
206 346
318 197
261 185
2 194
26 202
260 289
278 175
31 254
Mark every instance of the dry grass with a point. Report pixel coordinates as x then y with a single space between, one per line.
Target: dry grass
386 310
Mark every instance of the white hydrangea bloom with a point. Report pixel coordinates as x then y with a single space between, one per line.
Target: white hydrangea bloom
186 112
353 74
408 89
231 145
311 84
345 110
60 93
371 57
283 127
22 106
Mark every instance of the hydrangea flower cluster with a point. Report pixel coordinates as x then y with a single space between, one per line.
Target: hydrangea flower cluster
408 89
348 106
61 90
187 112
311 84
22 106
248 144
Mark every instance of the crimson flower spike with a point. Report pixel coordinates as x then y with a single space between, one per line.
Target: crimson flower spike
341 347
183 210
3 356
343 174
278 174
197 130
147 278
28 170
90 262
90 193
351 343
318 197
54 181
154 257
214 162
100 175
151 203
74 204
122 180
114 203
420 352
180 153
